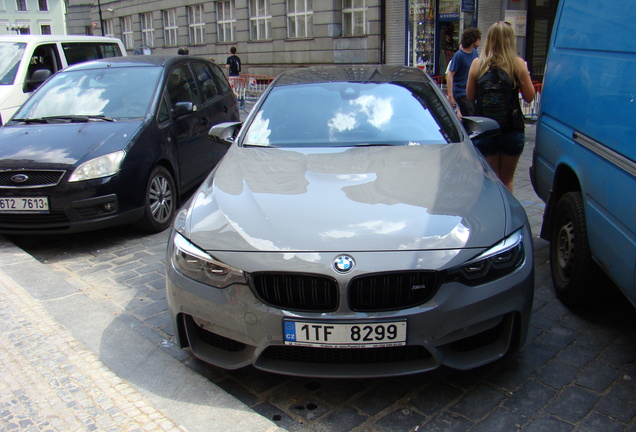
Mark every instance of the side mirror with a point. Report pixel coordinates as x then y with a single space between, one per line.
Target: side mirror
36 80
225 132
183 108
480 127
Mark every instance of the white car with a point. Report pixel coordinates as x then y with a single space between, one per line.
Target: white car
21 57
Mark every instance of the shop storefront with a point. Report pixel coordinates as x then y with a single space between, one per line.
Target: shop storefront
434 31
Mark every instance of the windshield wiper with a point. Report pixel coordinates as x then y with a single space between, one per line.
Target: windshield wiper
29 120
375 144
101 117
70 118
79 118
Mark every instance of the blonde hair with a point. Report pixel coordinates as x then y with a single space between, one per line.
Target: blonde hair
499 51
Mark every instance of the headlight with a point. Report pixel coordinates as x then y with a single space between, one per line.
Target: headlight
498 261
200 266
102 166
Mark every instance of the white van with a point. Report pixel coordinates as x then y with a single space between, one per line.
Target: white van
28 60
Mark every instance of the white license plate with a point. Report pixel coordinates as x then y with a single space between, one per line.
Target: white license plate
24 205
358 335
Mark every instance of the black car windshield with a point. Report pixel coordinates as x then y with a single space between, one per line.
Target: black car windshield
111 93
351 114
10 57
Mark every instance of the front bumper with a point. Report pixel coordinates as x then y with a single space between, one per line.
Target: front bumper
76 207
460 326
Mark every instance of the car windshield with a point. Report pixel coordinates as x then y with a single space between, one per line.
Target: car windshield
351 114
113 92
10 56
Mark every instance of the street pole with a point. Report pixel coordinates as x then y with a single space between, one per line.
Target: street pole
101 21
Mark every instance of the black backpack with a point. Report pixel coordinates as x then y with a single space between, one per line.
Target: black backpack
235 65
498 99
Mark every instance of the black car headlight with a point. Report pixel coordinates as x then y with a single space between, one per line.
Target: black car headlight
197 264
498 261
102 166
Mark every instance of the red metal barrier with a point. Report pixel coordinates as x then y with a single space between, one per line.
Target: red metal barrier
249 86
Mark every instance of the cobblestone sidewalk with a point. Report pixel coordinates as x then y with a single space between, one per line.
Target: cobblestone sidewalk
50 382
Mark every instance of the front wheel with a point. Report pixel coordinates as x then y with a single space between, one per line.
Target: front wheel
573 269
160 201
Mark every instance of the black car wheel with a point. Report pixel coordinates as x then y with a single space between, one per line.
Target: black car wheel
160 202
574 272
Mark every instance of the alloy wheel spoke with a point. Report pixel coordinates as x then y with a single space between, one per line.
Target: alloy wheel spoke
160 199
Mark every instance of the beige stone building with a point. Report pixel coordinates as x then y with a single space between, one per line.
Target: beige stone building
270 36
275 35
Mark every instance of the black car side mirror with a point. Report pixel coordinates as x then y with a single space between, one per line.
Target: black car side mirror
36 79
225 132
183 108
480 127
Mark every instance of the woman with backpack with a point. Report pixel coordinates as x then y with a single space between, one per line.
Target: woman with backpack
494 82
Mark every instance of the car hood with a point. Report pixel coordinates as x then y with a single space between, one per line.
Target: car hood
351 199
62 145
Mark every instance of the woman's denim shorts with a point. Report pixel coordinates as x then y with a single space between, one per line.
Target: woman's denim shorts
507 143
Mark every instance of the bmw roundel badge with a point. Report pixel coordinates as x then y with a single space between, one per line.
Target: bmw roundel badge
343 263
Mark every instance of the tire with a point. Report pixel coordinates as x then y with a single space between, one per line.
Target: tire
574 272
160 202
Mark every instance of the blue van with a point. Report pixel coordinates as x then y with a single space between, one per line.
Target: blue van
584 163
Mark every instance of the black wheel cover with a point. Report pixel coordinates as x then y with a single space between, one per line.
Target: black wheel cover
573 269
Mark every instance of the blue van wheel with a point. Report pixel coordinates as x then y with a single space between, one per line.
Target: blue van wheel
573 269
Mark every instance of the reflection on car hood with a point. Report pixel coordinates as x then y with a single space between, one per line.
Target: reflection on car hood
351 199
62 144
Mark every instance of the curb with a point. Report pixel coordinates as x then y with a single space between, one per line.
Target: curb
110 353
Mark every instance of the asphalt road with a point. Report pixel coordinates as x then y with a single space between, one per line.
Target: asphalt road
576 372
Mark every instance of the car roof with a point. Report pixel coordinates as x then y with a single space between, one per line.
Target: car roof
56 38
351 73
136 61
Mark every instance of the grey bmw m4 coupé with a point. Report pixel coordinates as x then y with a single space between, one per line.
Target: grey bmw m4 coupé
351 230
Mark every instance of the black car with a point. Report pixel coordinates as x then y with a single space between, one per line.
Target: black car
112 142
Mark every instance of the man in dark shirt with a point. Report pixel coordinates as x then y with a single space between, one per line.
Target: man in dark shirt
458 72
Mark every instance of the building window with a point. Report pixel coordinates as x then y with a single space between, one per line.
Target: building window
170 27
127 35
226 23
147 29
43 5
354 17
45 29
109 28
300 19
20 28
260 20
21 5
196 25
